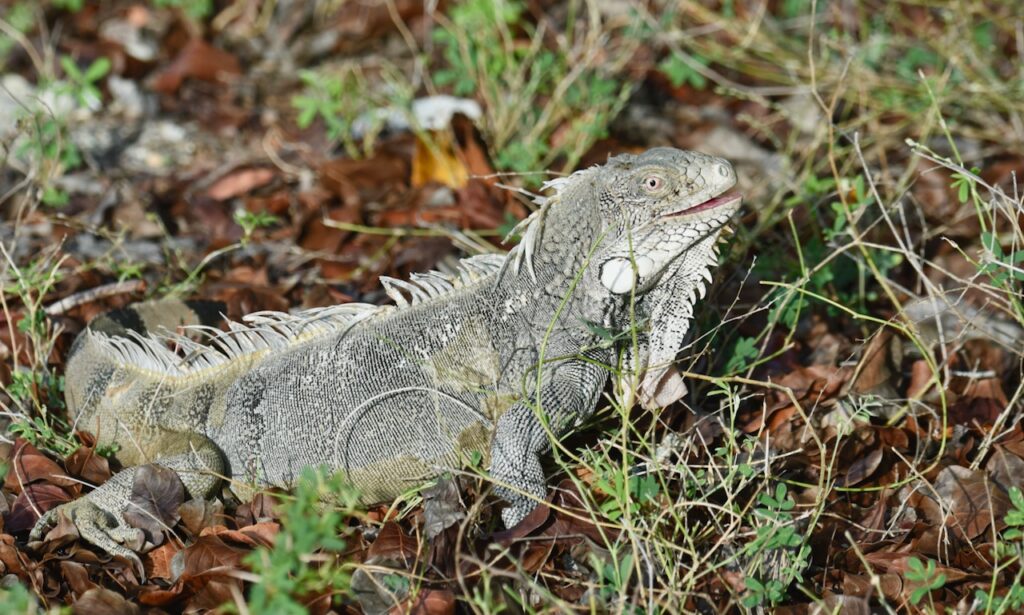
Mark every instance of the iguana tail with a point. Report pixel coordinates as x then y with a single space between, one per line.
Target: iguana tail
156 316
89 367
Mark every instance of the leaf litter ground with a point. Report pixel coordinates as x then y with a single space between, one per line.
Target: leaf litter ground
839 457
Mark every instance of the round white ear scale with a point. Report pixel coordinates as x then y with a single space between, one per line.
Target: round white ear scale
617 275
644 266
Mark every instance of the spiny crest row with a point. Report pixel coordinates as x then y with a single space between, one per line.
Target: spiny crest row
270 330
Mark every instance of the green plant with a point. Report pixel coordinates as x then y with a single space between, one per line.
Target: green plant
45 131
775 534
17 600
69 5
340 98
680 70
616 572
20 17
1010 552
46 139
34 389
82 85
1002 266
530 87
925 578
195 9
743 352
51 434
286 570
250 221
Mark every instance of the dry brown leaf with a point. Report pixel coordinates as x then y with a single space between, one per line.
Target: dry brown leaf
392 546
203 565
210 552
260 534
10 558
77 577
261 507
348 178
157 492
861 468
87 465
34 500
442 512
442 507
198 60
546 521
102 601
1006 468
157 562
837 604
240 182
199 513
29 465
431 602
874 373
973 502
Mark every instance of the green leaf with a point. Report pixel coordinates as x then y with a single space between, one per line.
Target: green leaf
743 352
54 197
70 68
680 70
917 568
97 70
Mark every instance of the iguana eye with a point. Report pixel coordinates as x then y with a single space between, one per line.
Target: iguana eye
653 183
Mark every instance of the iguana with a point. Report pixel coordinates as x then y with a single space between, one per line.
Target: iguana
492 358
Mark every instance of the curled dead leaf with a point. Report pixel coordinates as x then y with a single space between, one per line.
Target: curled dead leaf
33 500
971 500
157 492
87 465
197 60
29 465
239 182
102 601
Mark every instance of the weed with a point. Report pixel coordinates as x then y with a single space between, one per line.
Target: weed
16 600
743 352
34 388
45 127
1009 553
20 17
195 9
616 573
775 534
528 89
250 221
680 70
81 85
338 100
285 570
925 576
531 89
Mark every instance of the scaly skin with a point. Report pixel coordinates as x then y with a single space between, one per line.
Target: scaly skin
396 396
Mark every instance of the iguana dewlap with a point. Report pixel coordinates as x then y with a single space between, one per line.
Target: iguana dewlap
491 359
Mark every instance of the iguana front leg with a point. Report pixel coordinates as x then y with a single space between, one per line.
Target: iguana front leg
98 515
568 393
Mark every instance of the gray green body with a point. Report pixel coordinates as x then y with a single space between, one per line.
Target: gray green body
495 359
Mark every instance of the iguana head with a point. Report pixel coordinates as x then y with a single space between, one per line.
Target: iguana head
656 207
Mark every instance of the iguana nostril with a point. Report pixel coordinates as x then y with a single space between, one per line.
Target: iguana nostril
724 171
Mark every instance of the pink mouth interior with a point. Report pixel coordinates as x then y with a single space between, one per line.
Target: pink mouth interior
709 204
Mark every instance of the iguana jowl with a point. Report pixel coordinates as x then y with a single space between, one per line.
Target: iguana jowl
491 359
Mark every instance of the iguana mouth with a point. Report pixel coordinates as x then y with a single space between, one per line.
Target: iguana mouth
718 201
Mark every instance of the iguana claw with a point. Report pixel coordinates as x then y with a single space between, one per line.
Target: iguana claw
105 530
